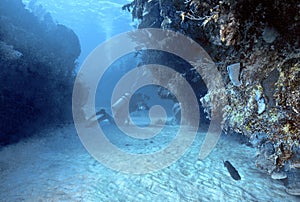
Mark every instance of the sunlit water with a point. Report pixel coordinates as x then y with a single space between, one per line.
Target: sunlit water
94 21
56 167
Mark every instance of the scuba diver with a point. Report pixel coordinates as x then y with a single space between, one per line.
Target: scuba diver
104 116
120 113
121 110
176 113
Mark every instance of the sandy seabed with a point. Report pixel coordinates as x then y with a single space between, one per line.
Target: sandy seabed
56 167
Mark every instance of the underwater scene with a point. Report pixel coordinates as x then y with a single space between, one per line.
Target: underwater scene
150 100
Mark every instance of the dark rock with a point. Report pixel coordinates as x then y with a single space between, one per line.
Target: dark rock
232 171
269 86
37 59
270 34
152 18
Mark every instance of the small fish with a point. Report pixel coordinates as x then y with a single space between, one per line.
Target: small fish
232 171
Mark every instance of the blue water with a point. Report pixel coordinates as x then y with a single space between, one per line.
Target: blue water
94 21
55 163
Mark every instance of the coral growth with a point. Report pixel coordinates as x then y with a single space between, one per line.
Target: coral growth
263 98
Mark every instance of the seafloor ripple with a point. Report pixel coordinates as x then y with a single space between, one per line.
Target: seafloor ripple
56 167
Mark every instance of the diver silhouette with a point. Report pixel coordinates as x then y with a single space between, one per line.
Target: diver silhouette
120 113
121 110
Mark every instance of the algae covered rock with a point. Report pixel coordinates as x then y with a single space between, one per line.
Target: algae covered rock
263 96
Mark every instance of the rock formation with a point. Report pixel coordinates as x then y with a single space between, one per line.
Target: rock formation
37 59
263 37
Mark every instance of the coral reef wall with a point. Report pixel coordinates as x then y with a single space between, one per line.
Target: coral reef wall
256 47
37 58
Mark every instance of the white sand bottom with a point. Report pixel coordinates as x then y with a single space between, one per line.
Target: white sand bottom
56 167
